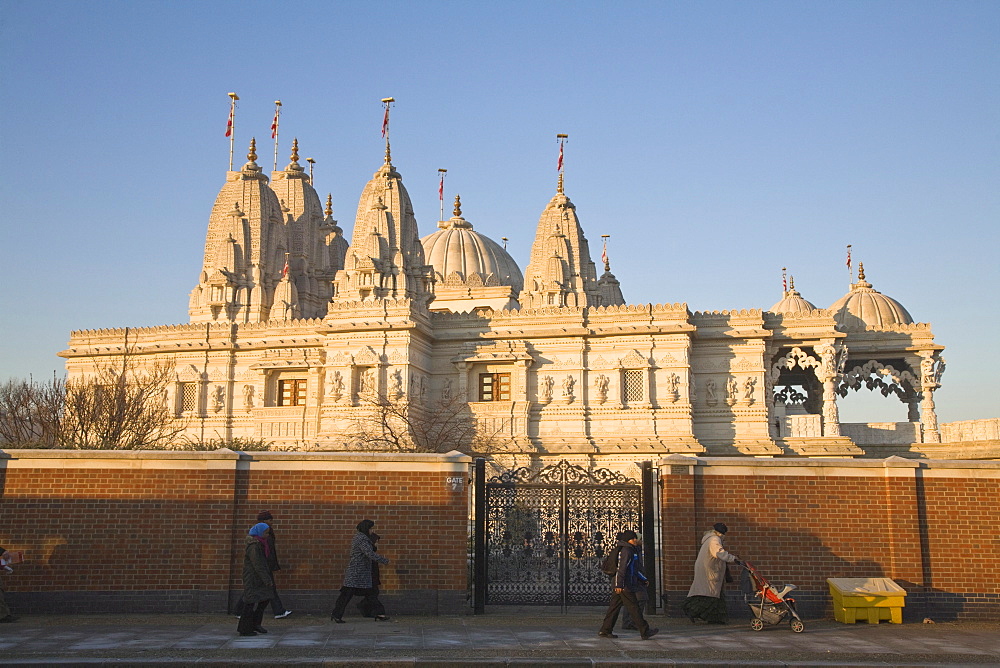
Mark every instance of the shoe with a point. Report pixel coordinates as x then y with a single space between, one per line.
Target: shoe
248 633
381 618
606 634
337 619
238 616
8 619
283 615
650 633
260 629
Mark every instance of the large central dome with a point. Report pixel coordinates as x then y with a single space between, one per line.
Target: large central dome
467 261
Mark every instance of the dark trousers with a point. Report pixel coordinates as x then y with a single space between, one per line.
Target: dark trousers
347 593
277 607
624 598
251 616
371 606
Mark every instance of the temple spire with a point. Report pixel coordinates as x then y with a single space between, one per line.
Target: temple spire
329 205
387 101
561 138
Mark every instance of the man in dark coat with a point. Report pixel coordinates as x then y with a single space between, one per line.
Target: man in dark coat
628 580
257 581
358 576
5 614
277 607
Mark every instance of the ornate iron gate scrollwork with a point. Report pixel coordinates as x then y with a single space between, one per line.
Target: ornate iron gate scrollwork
547 531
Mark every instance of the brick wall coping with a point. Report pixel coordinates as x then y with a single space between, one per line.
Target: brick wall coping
225 459
816 467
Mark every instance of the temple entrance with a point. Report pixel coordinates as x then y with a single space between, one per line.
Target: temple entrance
540 535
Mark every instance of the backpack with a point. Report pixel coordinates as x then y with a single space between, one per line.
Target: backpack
609 564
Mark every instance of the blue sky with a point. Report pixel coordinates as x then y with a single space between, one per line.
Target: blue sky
716 142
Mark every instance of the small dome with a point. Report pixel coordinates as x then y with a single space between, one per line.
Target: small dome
865 306
458 249
792 302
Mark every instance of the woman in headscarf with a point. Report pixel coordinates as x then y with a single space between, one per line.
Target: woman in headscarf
257 581
358 577
705 601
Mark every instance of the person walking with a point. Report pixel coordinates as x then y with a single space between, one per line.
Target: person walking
371 606
704 602
277 607
257 581
627 581
5 614
358 576
641 594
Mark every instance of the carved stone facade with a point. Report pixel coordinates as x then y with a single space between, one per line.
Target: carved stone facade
290 326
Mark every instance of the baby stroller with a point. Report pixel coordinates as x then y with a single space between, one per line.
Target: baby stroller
769 605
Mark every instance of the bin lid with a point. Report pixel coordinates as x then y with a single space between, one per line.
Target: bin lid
867 586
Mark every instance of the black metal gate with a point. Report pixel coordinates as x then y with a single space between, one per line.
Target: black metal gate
540 536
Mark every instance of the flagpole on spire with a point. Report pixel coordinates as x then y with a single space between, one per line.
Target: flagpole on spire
850 274
604 252
442 172
274 131
561 138
311 164
231 126
784 279
387 101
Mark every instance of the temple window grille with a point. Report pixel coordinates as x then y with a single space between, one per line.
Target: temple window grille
189 397
633 386
494 387
292 392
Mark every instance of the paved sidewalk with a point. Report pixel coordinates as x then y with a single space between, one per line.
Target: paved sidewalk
489 640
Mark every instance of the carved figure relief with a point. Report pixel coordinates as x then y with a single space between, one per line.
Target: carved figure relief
396 384
218 398
546 388
732 391
248 394
337 386
711 397
601 384
748 387
567 388
446 390
672 381
368 381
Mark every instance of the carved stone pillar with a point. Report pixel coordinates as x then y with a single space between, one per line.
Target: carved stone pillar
827 374
463 380
928 418
913 409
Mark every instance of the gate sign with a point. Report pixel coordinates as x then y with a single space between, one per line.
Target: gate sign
456 482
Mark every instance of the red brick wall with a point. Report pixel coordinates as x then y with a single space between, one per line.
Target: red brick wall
931 528
163 522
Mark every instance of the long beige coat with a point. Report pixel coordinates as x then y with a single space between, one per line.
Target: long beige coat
710 567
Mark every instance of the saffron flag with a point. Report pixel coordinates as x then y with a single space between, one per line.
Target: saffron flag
274 125
229 125
604 254
441 188
284 272
560 163
848 256
385 121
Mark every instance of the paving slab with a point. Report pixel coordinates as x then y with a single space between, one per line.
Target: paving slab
519 639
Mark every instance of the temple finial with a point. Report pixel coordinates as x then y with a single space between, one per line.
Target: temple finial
559 185
861 272
791 283
252 153
329 205
295 150
388 154
458 206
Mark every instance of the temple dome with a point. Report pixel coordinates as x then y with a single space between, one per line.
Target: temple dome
792 302
865 306
459 253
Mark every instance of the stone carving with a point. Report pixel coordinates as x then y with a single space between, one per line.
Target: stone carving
396 384
711 398
672 381
446 390
218 398
732 391
248 393
748 388
601 384
567 389
337 386
546 386
368 381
